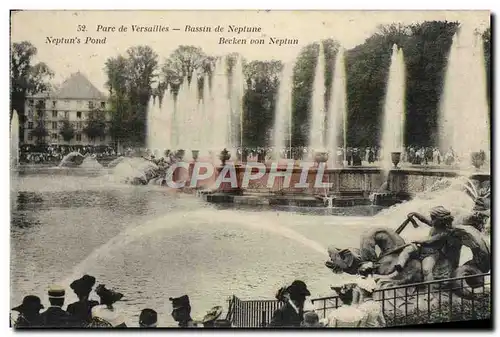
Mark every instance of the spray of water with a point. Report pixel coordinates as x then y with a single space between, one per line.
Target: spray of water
393 117
463 118
14 141
283 115
337 111
317 115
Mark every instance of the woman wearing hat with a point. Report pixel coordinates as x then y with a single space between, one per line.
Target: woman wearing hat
82 310
212 315
374 314
29 313
348 315
291 314
105 313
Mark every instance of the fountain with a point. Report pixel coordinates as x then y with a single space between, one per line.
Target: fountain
337 109
14 141
283 116
394 110
463 114
317 115
236 97
221 107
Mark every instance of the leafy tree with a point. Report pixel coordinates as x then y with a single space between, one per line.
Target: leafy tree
130 82
95 124
39 133
260 100
26 78
67 131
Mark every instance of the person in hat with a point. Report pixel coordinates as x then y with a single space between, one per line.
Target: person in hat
439 244
347 315
29 313
292 312
374 314
148 318
181 311
55 316
82 309
106 311
212 315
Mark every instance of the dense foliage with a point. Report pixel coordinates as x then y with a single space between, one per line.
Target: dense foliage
425 46
67 131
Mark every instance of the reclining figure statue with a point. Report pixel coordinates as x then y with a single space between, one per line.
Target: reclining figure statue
435 258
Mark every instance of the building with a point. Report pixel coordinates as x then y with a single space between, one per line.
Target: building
73 101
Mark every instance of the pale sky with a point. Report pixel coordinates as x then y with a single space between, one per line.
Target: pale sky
351 28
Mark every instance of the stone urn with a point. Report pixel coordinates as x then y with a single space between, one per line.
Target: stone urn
320 157
224 156
395 158
477 159
180 154
195 154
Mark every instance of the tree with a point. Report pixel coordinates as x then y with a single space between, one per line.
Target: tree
182 62
39 133
95 124
259 101
26 78
67 131
130 83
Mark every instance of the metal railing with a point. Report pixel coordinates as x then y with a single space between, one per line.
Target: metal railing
420 303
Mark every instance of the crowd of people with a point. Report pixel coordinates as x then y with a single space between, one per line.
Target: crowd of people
358 309
87 313
53 154
353 156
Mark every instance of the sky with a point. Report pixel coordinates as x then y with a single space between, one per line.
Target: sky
350 28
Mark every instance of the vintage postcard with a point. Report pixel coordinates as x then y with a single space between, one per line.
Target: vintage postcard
250 169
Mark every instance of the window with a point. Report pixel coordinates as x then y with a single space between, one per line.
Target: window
31 102
54 113
79 125
78 114
30 125
91 105
103 138
54 125
40 113
66 114
53 136
30 137
41 102
54 103
103 105
78 137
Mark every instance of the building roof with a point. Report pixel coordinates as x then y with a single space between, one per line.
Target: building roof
77 86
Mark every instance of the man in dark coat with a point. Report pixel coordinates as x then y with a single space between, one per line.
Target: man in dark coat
292 312
29 313
148 318
55 316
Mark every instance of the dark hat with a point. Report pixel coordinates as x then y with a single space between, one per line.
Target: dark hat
108 295
56 292
180 302
299 288
212 314
30 303
83 284
148 317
